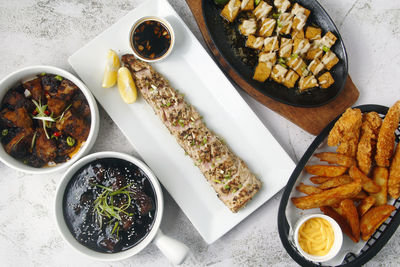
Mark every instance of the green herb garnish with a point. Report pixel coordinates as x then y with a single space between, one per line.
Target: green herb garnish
257 2
276 15
59 78
295 55
325 48
227 187
70 141
104 205
4 132
42 116
43 73
33 140
217 181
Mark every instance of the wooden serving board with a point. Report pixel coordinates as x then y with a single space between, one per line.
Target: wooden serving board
312 120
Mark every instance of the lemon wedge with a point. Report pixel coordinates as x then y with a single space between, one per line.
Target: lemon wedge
110 72
126 86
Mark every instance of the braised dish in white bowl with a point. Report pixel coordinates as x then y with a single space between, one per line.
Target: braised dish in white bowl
48 119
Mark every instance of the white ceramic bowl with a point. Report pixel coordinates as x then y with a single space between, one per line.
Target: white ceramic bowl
30 72
337 244
174 250
162 21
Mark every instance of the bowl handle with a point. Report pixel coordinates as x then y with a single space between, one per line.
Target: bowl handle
174 250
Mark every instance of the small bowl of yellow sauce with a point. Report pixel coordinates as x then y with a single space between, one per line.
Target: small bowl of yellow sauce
318 237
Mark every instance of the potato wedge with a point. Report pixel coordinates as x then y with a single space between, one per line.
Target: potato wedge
349 212
367 184
373 219
380 176
365 205
328 197
340 220
308 189
319 179
335 158
394 176
335 182
326 170
360 196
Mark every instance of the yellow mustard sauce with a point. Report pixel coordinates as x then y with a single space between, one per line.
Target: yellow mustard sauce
316 236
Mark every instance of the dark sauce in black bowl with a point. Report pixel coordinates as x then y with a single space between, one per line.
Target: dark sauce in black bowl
151 39
106 184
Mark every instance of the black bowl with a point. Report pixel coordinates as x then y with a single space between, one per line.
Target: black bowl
218 29
377 240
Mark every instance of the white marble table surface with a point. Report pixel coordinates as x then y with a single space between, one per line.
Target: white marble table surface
47 32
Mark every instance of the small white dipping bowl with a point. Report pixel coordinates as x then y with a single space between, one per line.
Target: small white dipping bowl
28 73
163 22
337 244
174 250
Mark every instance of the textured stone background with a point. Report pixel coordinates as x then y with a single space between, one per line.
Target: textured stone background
47 32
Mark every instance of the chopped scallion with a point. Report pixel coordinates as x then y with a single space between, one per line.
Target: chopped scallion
325 48
4 132
70 141
59 78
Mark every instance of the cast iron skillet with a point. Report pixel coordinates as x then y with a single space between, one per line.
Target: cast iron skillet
218 29
377 240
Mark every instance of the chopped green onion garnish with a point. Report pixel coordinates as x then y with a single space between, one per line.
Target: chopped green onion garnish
257 2
181 123
168 104
295 55
227 187
325 48
217 181
276 15
33 140
70 141
281 60
283 65
204 140
279 24
59 78
4 132
240 186
43 73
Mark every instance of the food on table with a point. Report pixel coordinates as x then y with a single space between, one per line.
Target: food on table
346 131
126 86
109 205
369 135
227 173
110 72
278 30
386 137
44 121
394 176
151 39
373 219
326 170
316 236
357 201
380 176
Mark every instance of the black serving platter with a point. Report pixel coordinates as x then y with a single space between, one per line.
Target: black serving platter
220 30
377 240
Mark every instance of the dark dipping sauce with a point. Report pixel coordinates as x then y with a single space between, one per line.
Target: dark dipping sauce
151 39
104 233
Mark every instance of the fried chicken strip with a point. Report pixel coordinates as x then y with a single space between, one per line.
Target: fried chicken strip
394 175
369 134
386 137
346 132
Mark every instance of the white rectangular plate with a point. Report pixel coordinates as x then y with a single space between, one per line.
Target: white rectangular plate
190 70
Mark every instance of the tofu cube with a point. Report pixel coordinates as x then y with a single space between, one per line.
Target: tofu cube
278 73
262 10
300 46
327 41
286 47
307 83
330 60
284 22
271 44
248 27
298 65
313 33
315 66
315 51
297 34
231 10
325 80
267 57
267 27
247 5
290 79
300 16
255 42
262 71
282 5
